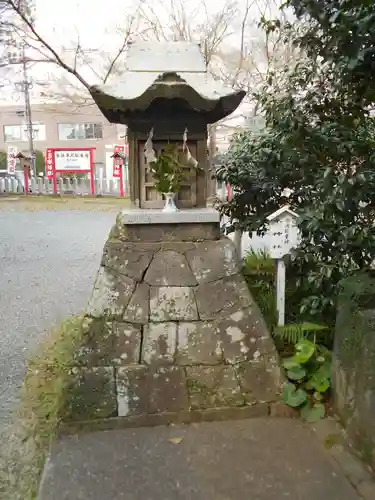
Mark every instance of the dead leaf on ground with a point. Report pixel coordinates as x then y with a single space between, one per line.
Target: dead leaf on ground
331 440
176 440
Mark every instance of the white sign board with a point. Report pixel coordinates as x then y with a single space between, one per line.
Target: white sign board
283 234
12 153
72 160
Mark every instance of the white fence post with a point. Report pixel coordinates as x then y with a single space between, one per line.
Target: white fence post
40 186
79 186
33 185
75 186
14 184
99 186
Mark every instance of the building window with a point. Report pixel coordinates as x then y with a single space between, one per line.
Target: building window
12 133
19 133
75 131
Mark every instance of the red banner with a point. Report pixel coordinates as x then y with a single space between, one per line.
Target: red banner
50 158
12 153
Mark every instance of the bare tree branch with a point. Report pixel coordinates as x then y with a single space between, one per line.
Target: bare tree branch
236 51
17 8
127 36
77 53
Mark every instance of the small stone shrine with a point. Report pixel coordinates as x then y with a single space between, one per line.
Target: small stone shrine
171 332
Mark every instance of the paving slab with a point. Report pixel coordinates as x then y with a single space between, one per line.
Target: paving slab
257 459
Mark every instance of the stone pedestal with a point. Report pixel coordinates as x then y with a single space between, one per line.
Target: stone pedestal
171 328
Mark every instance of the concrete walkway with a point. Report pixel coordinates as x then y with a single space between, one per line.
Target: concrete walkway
256 459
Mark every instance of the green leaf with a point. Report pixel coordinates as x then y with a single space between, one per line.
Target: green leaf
318 396
334 17
353 63
313 413
289 333
324 371
297 373
294 332
304 351
327 172
340 205
290 363
294 397
318 384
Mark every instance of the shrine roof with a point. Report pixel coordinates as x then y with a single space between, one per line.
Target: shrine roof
162 57
285 210
169 70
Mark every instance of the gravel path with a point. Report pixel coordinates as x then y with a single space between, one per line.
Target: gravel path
48 262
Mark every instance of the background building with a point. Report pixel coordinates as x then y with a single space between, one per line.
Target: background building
62 126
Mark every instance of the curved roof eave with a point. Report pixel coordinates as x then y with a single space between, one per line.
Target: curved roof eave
201 92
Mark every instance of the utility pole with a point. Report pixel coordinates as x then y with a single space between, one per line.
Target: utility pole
26 85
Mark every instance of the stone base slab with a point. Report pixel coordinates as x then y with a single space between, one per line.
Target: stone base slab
190 216
135 390
169 418
167 232
155 225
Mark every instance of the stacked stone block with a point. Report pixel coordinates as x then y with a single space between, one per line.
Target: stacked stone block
171 328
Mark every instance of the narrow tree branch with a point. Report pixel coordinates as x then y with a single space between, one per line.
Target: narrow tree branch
125 41
243 27
77 52
18 10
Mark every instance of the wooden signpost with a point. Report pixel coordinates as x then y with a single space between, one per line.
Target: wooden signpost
284 237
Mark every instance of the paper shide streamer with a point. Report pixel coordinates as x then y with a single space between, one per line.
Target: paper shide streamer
150 154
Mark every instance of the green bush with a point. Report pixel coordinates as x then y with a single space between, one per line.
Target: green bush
318 142
40 162
3 160
260 273
309 374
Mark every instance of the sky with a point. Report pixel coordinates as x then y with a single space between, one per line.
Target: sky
95 23
89 18
94 20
